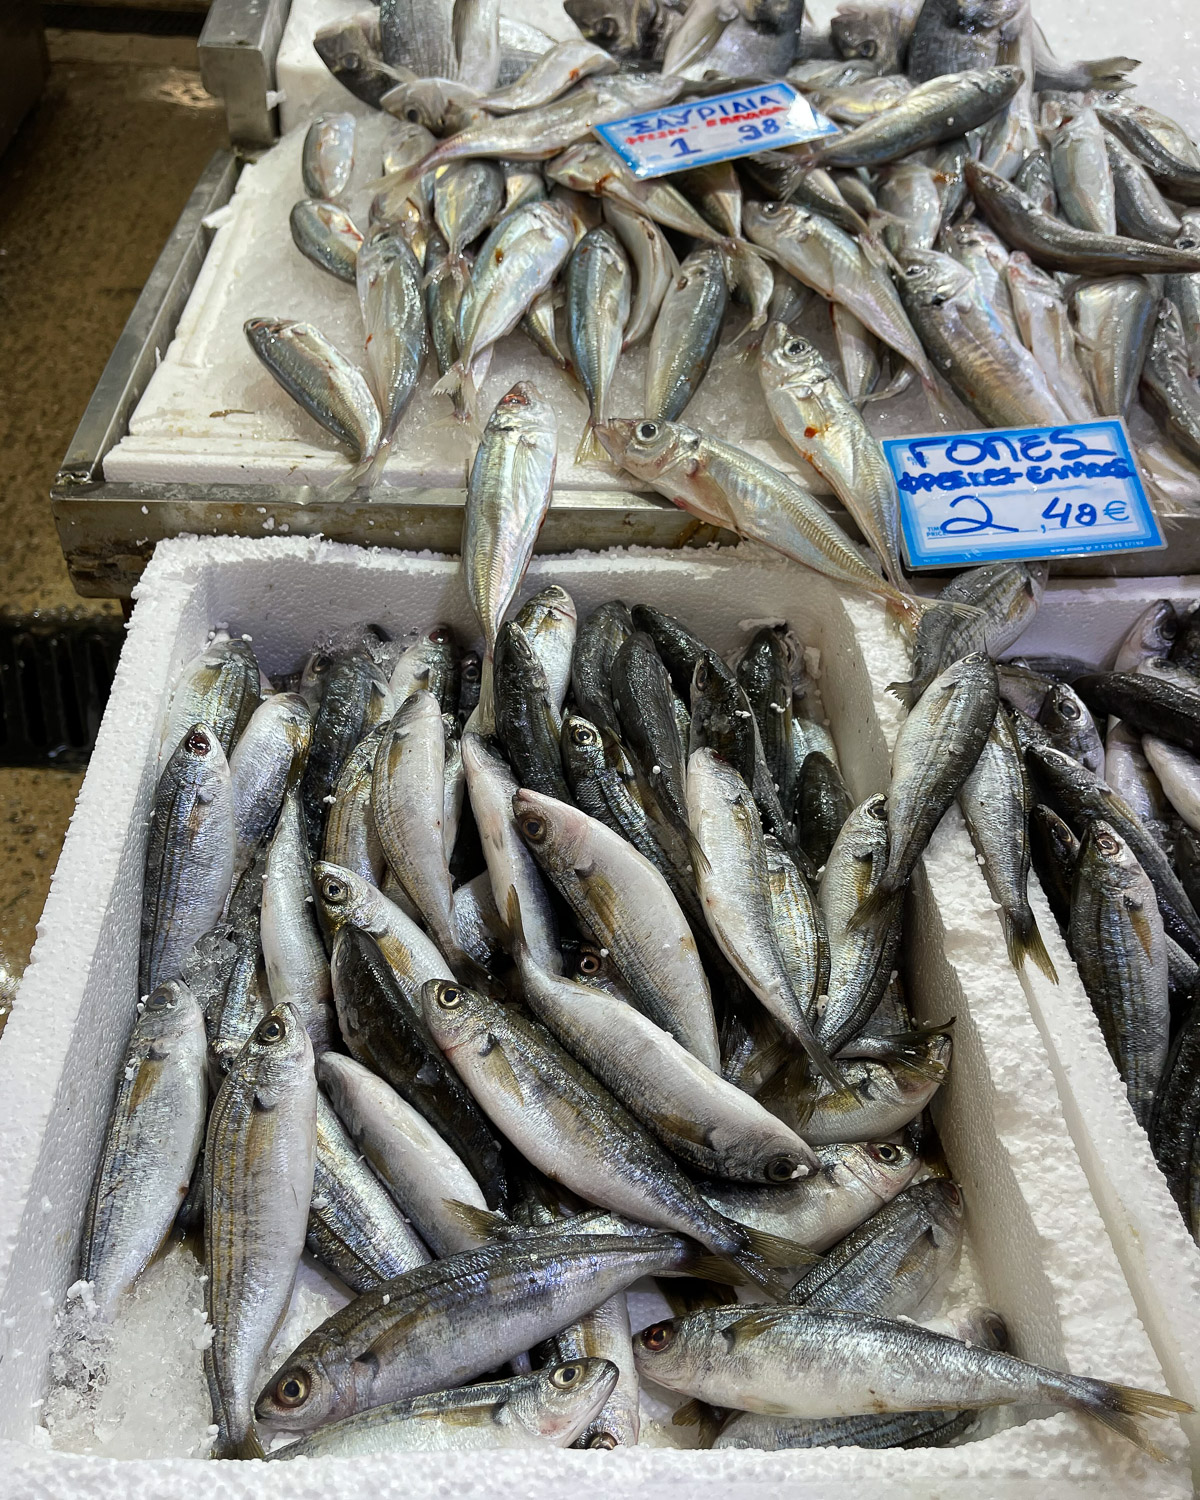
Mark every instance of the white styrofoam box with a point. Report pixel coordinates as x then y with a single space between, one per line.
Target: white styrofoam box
1043 1256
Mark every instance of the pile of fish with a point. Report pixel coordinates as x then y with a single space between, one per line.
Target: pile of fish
519 975
1017 232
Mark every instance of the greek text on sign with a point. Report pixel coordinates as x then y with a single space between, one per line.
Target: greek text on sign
707 130
973 497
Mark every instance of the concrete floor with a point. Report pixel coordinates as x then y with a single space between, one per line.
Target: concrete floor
89 191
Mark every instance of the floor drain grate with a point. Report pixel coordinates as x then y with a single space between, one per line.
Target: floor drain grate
55 676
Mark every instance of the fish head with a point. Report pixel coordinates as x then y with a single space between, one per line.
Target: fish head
774 17
920 1071
859 32
560 1400
456 1016
793 361
582 742
342 898
985 15
767 221
168 1013
646 448
200 760
622 27
638 91
985 1327
1106 859
945 1204
551 606
885 1167
582 166
304 1393
350 44
557 834
935 280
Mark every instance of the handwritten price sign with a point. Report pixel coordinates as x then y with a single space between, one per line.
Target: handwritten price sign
717 129
972 497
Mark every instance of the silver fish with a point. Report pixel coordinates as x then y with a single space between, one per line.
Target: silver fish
1142 211
468 196
1184 291
351 838
1178 774
559 69
1040 308
326 234
1167 385
350 49
985 255
549 621
321 379
218 688
420 37
476 34
349 900
393 310
259 1161
154 1134
327 156
685 334
598 284
266 764
910 194
297 969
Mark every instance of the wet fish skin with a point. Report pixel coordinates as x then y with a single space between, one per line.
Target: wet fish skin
685 334
550 623
1083 173
475 31
644 702
1184 291
1128 772
604 1334
1153 703
153 1137
326 235
354 1227
1118 943
946 37
1115 317
418 37
189 856
598 289
259 1167
1040 308
910 193
1176 1115
350 49
1065 717
765 676
218 688
1178 178
327 156
347 900
1035 178
353 700
553 74
1142 211
1167 383
654 263
823 804
266 764
321 379
467 197
454 1319
1054 851
597 643
293 953
925 1429
527 720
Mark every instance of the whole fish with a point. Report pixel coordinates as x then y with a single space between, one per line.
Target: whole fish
449 1321
347 900
948 35
418 37
189 856
549 1408
1179 179
1118 943
997 377
467 197
266 764
351 838
354 1226
351 49
508 495
858 350
321 379
219 688
821 807
527 719
1055 852
726 486
764 673
1058 246
862 943
910 194
854 1182
934 111
327 156
654 263
154 1134
604 1334
258 1178
597 644
1153 702
645 706
625 904
294 955
1129 773
550 623
822 1364
686 333
475 30
936 749
326 235
354 699
444 289
559 69
1040 309
986 256
816 416
1167 383
598 284
416 1165
995 801
1142 211
896 1261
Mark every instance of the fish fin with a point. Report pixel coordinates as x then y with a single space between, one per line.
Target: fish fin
681 1127
344 485
514 923
1024 940
719 1268
776 1251
1114 1406
823 1063
707 1419
248 1446
873 905
502 1072
480 1221
589 450
903 691
452 381
690 1414
756 1322
687 1294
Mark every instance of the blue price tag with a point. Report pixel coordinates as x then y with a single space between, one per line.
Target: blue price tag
762 118
973 497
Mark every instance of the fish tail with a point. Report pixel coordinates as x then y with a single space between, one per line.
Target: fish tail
344 485
706 1419
589 450
904 691
483 720
822 1061
1115 1406
451 383
905 608
249 1445
1023 939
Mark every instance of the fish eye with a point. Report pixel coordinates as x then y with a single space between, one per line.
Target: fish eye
888 1154
334 890
772 210
292 1388
197 742
703 675
583 734
450 997
533 827
566 1376
657 1337
1067 709
1107 843
795 347
606 28
589 963
647 431
602 1440
270 1031
439 634
161 999
869 48
953 1194
878 810
781 1169
472 669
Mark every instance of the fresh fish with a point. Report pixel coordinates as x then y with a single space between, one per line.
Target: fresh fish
726 486
1035 178
1178 178
431 663
549 622
454 1319
1174 1122
476 34
910 194
1040 308
995 802
155 1131
1065 718
346 899
604 1335
597 645
1178 774
949 35
266 764
508 494
590 167
1057 246
997 377
523 183
985 255
351 49
936 110
764 673
895 1262
259 1161
1104 72
598 285
822 1364
297 969
854 1182
354 1226
644 701
1142 211
821 807
326 235
685 334
549 1408
1158 702
1184 291
625 904
479 923
822 424
467 197
858 351
420 37
1118 944
1055 853
629 30
1170 391
418 1168
354 699
527 721
906 1429
189 856
704 1121
879 33
559 69
1128 772
855 103
653 261
321 379
702 27
219 689
327 156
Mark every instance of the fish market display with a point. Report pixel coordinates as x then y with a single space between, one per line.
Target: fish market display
609 992
1015 233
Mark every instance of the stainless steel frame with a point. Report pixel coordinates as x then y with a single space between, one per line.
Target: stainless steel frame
238 46
108 530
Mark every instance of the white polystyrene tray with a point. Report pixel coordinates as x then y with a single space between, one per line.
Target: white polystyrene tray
1043 1257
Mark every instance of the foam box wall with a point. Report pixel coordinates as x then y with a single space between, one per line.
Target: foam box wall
1044 1258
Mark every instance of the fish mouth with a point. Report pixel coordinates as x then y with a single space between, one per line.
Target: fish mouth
614 435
